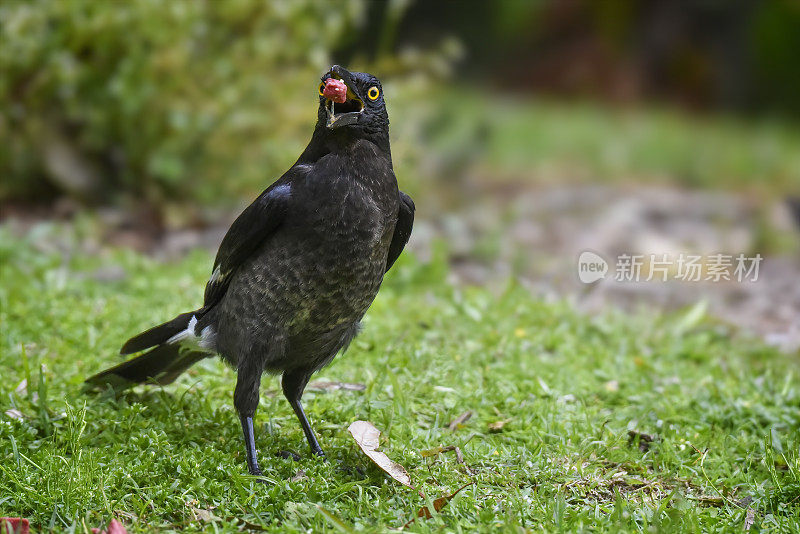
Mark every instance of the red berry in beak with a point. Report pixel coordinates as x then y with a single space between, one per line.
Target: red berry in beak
335 90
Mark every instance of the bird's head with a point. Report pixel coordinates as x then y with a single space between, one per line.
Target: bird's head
352 101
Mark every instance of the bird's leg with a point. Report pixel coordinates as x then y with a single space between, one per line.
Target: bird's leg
294 382
245 399
250 444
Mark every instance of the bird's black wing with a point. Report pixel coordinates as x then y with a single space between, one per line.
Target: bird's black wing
257 222
402 230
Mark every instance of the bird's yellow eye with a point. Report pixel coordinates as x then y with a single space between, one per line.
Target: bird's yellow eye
322 89
373 93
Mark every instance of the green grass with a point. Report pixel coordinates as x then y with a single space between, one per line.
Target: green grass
723 412
553 141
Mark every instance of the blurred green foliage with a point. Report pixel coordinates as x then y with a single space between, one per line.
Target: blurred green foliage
202 101
156 99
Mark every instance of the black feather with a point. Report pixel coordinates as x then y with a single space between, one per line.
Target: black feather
402 229
161 365
158 334
257 222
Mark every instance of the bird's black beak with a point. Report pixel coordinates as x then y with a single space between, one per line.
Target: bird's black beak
350 111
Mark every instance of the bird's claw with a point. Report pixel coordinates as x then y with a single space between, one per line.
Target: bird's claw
259 476
288 455
351 470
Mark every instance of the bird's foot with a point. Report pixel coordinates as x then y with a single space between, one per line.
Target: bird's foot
351 470
288 455
256 472
291 455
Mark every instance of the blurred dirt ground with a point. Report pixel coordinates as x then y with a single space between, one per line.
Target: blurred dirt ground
494 231
538 235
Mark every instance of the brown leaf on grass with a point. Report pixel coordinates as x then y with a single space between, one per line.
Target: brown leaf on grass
300 475
459 421
428 453
201 514
206 516
438 504
368 439
749 518
334 386
497 426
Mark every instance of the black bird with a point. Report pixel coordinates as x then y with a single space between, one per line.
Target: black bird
298 268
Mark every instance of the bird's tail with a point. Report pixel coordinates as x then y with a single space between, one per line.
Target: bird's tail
162 333
173 352
160 365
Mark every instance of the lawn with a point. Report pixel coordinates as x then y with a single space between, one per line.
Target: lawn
546 141
608 423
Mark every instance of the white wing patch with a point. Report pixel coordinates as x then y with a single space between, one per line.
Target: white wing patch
189 340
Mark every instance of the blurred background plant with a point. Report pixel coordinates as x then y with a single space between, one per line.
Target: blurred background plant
108 101
196 101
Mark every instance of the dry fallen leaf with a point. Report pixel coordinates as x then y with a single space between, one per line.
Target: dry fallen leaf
206 516
497 426
300 475
749 519
201 514
459 421
367 437
438 504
